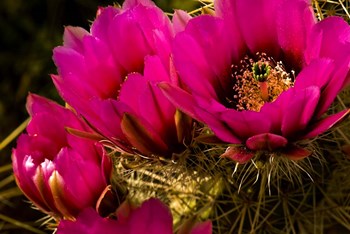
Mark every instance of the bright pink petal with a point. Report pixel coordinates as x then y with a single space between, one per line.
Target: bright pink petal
73 37
294 152
155 70
202 228
146 99
142 135
87 183
138 32
157 29
246 123
41 180
227 10
300 110
180 20
100 26
317 73
89 222
106 118
323 125
211 113
190 62
266 141
36 104
24 170
210 34
159 110
274 112
132 3
257 22
63 200
339 79
180 98
131 91
202 58
329 38
238 154
128 41
294 21
42 124
153 217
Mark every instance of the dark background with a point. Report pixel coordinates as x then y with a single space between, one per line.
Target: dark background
29 31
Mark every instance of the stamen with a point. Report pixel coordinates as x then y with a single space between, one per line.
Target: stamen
258 81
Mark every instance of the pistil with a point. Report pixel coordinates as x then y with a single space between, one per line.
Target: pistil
261 72
264 91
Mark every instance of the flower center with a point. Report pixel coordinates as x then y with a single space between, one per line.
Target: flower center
258 81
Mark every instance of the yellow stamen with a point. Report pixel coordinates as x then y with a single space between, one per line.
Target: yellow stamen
258 82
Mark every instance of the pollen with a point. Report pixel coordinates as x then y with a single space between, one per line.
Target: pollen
258 81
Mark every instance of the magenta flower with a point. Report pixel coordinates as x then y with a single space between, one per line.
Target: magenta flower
262 74
60 173
152 217
94 68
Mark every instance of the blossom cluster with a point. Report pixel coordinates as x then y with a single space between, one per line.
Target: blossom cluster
260 75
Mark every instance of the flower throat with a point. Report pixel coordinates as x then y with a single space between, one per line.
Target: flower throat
258 81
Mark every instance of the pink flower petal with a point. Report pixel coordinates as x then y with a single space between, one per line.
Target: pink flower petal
180 98
196 76
36 104
155 70
85 188
294 152
128 41
246 123
62 200
323 125
202 228
202 58
142 136
41 180
153 217
180 20
339 79
238 154
100 26
146 99
329 38
257 22
210 112
132 3
24 171
131 91
73 37
266 141
301 108
227 10
106 118
316 73
295 19
89 222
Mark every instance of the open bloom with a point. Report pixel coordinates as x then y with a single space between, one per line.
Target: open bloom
152 217
262 74
94 79
60 173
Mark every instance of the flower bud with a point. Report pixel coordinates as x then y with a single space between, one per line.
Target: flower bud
60 173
